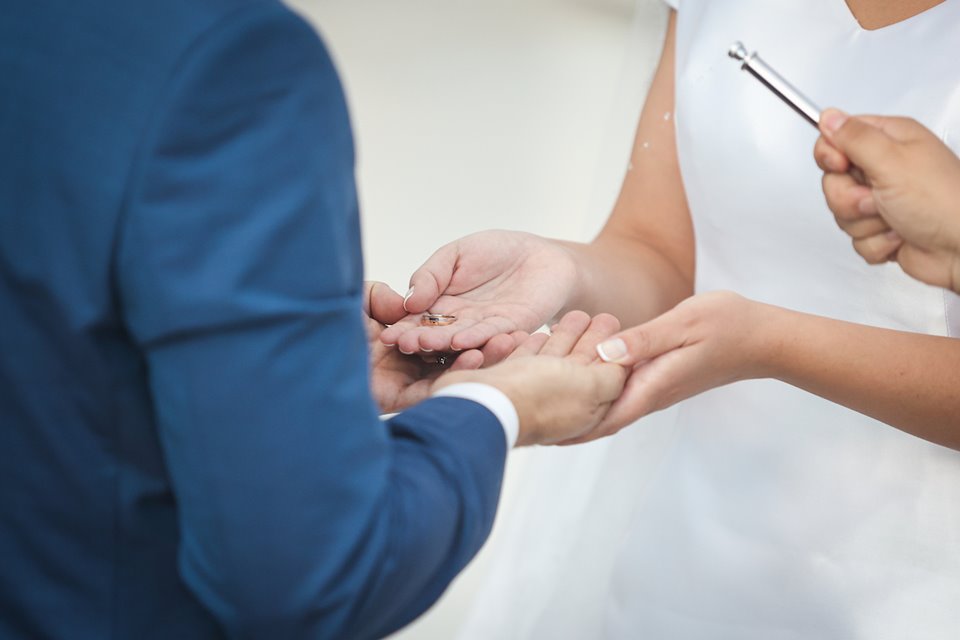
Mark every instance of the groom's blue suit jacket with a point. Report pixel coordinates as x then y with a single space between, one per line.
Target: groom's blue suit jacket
188 447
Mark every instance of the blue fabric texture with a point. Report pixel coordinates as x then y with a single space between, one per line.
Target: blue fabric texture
188 446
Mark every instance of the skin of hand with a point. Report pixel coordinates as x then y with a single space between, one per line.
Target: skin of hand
640 265
557 384
399 381
908 210
706 341
495 282
717 338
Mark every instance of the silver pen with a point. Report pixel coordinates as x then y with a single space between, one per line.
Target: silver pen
775 82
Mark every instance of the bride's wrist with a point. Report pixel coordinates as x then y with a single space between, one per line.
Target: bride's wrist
768 329
577 297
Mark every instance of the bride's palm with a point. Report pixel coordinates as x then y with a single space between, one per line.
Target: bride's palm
495 282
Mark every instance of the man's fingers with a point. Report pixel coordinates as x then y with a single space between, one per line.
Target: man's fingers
531 346
499 347
651 387
844 195
879 248
601 327
569 331
431 280
610 381
468 360
382 303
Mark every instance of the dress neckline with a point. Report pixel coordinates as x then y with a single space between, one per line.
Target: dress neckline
894 25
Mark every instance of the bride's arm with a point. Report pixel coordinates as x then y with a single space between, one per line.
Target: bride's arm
910 381
907 380
642 262
639 266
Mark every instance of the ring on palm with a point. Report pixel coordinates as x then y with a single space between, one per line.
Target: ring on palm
437 320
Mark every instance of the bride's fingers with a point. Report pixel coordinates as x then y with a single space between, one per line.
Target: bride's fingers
412 337
391 335
478 333
429 282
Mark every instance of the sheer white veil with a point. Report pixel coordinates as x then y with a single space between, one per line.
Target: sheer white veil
566 511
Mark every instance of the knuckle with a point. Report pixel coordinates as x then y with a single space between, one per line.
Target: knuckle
608 321
638 341
869 251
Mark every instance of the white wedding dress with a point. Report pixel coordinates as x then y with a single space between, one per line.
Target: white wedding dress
758 511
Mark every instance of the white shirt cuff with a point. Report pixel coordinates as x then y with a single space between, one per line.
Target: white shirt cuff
493 399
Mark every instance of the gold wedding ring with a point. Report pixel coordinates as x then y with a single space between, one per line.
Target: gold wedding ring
436 320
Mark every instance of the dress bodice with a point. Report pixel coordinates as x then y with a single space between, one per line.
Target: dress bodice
778 514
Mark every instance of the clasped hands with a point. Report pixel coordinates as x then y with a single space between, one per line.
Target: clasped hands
558 385
502 285
901 205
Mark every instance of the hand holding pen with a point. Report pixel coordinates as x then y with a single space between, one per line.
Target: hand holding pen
892 185
908 208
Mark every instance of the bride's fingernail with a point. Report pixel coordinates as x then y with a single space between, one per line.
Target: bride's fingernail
612 350
407 297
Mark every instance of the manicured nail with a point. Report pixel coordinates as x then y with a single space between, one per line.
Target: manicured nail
407 297
832 120
612 350
426 350
406 353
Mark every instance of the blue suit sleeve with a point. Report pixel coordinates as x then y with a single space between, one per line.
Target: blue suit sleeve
238 267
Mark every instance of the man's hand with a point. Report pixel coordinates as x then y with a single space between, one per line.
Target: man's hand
557 384
495 282
399 381
906 205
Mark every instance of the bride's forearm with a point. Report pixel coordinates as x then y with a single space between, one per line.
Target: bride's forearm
642 262
625 277
910 381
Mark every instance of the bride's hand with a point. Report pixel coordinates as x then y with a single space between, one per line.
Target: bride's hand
707 341
495 282
398 381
